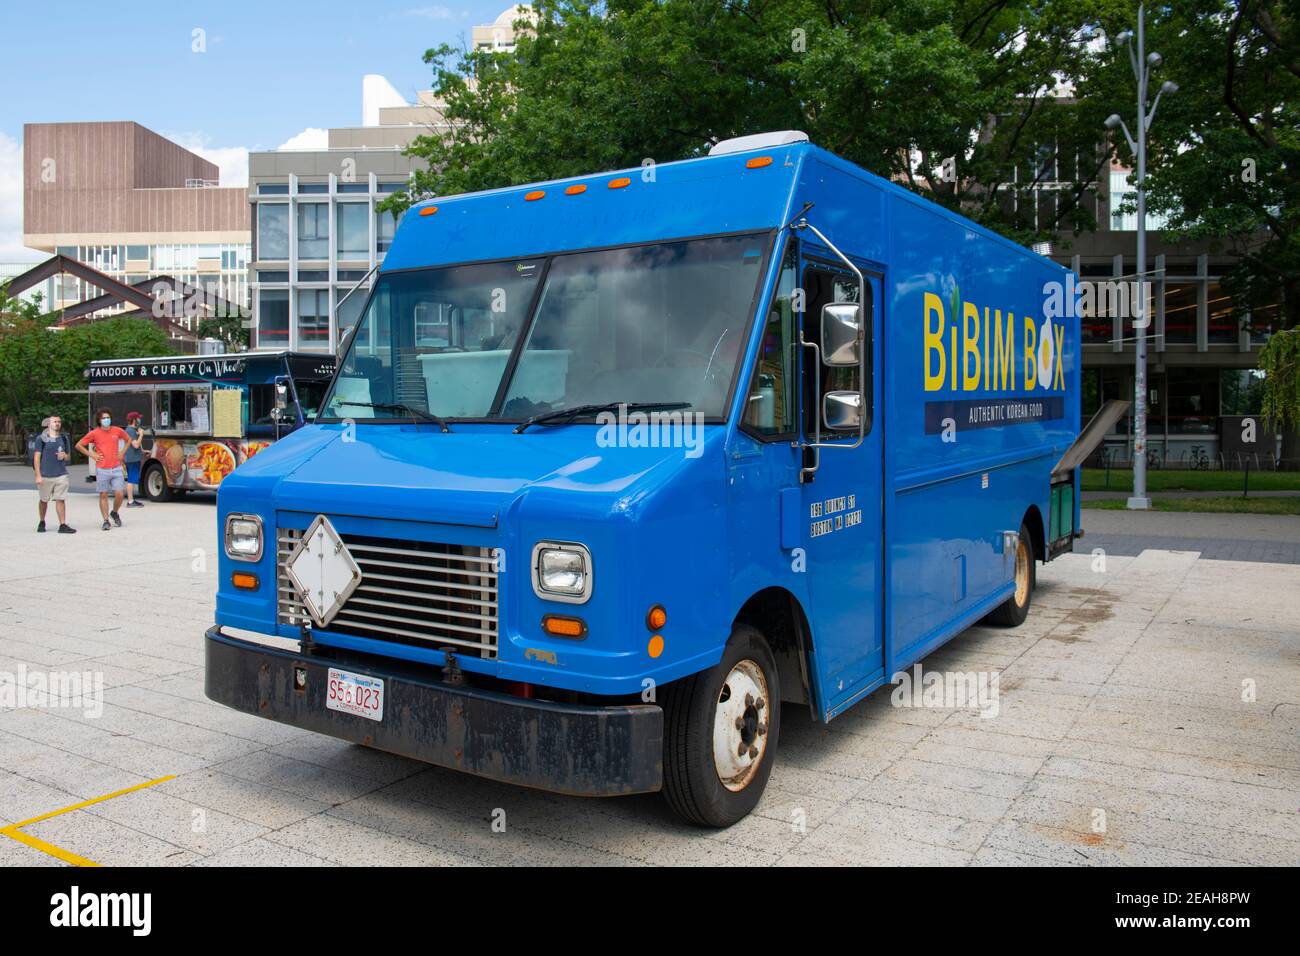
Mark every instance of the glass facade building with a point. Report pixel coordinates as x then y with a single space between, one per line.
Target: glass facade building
314 239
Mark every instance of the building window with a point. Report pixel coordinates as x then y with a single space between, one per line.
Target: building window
305 188
313 319
385 228
273 318
1180 312
313 230
273 189
1224 324
353 230
272 231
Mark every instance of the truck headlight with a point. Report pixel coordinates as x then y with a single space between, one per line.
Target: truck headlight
243 537
562 572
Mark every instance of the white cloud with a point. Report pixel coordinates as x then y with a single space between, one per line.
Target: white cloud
431 13
11 204
310 138
231 160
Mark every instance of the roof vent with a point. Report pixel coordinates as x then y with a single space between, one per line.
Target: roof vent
742 144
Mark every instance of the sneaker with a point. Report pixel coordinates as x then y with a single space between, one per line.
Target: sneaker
106 526
135 504
40 528
116 519
66 529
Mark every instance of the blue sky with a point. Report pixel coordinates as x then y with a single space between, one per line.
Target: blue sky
271 69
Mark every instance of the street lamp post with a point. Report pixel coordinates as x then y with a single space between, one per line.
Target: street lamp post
1143 64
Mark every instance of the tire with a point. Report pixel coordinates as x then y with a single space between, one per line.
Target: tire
153 482
1013 611
694 784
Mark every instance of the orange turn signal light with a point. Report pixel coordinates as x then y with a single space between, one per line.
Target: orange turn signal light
562 626
656 646
428 210
244 580
620 183
758 162
656 618
575 190
535 195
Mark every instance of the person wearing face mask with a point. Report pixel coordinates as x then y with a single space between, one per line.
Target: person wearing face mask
53 451
107 455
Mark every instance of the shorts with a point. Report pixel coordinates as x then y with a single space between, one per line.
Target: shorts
53 489
133 473
109 479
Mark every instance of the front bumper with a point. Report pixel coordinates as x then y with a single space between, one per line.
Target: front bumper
566 748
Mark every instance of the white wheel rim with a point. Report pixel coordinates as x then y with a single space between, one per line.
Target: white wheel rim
155 482
740 725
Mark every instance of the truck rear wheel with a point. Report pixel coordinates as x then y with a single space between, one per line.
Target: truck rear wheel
154 483
1013 611
720 733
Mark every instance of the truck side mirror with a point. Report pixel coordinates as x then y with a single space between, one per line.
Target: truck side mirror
841 334
281 393
842 411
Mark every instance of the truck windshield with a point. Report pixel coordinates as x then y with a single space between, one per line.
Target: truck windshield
663 322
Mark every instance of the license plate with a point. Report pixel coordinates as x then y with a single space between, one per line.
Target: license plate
357 694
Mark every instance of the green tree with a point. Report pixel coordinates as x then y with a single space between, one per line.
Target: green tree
955 98
1224 157
42 368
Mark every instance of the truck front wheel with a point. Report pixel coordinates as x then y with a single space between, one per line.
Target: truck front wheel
720 733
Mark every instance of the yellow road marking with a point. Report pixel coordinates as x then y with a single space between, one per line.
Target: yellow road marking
13 830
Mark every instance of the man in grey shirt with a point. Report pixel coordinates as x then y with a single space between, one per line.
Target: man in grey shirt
53 451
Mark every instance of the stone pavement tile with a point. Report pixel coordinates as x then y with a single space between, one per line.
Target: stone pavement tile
1178 808
203 714
154 811
1174 782
838 844
84 740
256 803
260 852
107 842
1121 827
947 755
43 654
297 776
364 762
22 799
1002 857
61 770
351 844
988 738
789 808
145 664
1167 737
924 774
921 826
164 732
1215 768
936 799
1223 702
1041 692
1078 671
804 781
15 854
1064 846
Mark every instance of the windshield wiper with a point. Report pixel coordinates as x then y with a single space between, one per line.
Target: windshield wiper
415 413
561 416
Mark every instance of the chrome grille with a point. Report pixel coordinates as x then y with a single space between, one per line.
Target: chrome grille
412 592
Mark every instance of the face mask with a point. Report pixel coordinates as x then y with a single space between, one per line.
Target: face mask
106 422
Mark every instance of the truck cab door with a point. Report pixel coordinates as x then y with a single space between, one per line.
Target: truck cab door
841 522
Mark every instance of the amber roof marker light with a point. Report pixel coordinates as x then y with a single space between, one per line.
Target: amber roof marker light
656 618
575 190
428 210
621 183
758 162
535 195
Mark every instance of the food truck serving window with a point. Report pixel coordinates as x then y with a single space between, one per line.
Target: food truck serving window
184 409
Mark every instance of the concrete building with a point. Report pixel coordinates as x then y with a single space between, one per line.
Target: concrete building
131 204
316 229
1200 355
500 34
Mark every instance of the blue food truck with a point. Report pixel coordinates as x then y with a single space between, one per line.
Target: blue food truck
613 467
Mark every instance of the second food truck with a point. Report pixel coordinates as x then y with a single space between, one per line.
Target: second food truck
205 415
